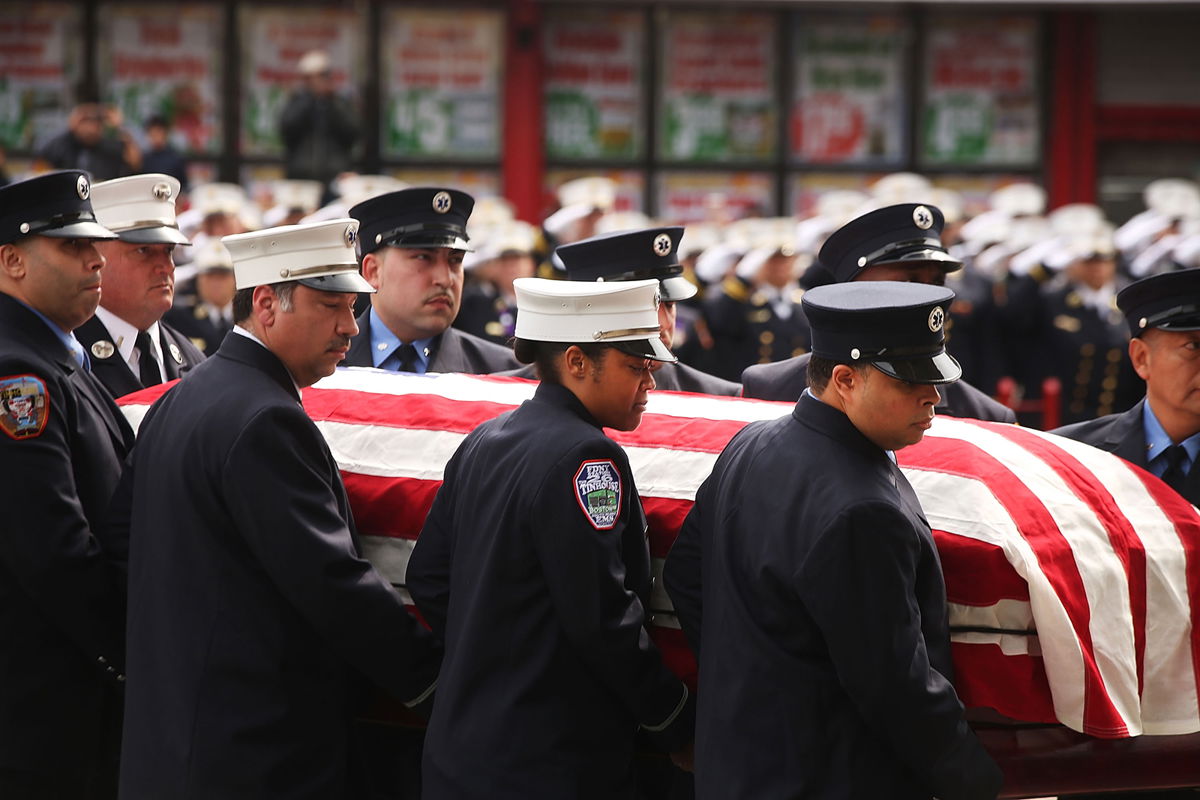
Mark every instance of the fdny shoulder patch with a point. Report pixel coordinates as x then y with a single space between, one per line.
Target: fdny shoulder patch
598 490
24 406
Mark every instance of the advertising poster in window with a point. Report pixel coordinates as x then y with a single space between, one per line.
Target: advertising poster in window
164 62
849 90
442 83
981 91
717 197
40 64
593 86
717 87
274 40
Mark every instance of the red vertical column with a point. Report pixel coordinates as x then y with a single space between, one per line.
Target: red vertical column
1071 145
523 161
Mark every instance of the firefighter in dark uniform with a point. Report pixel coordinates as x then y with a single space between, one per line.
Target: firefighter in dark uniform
254 618
412 248
1083 337
130 345
533 566
896 243
635 256
62 441
208 317
755 318
820 622
489 306
1161 433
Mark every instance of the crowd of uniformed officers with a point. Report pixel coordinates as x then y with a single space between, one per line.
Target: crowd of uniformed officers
192 616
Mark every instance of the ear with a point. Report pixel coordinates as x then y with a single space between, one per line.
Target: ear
845 381
12 261
576 362
264 305
1139 354
371 265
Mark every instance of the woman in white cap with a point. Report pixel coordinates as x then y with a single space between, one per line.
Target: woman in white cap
533 567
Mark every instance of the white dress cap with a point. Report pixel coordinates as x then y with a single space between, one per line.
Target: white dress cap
901 187
593 191
591 311
140 208
218 198
1021 199
320 255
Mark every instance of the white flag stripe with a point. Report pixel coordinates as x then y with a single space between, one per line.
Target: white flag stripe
1006 614
1105 582
967 507
1168 701
1009 644
469 388
389 452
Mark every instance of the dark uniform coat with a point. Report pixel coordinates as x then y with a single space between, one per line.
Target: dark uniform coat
668 378
745 329
115 373
1088 351
533 565
820 625
786 380
453 351
253 615
194 322
1124 435
486 313
61 593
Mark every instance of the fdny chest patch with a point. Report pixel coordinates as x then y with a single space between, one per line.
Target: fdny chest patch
24 406
598 490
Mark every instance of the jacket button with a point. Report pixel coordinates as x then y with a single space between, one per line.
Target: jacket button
120 678
101 660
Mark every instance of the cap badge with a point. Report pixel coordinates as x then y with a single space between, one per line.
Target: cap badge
662 244
657 300
103 349
923 218
441 202
162 191
937 318
175 354
351 235
83 188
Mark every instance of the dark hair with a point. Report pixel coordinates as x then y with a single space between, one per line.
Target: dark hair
544 355
156 121
820 370
243 300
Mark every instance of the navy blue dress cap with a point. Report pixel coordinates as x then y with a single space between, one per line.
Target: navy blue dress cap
900 234
1170 300
630 256
57 204
897 327
420 217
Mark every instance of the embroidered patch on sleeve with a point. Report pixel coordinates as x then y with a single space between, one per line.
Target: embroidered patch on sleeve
24 406
598 490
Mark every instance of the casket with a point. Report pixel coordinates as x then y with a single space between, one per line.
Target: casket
1071 575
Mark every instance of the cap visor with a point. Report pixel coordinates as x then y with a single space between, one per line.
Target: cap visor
944 260
430 240
79 230
941 368
653 349
161 235
675 289
340 282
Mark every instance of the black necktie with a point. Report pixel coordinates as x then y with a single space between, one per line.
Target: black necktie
407 354
1175 476
147 367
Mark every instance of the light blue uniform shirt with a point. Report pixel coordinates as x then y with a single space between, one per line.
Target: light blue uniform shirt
384 345
1157 442
68 340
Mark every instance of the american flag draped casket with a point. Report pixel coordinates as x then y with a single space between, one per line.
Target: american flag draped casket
1072 576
